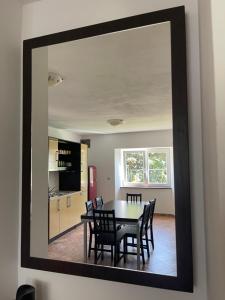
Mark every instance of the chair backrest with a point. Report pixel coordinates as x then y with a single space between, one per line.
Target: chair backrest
89 205
98 202
152 210
104 221
145 218
133 197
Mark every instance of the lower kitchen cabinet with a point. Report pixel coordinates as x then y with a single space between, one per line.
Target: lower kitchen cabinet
54 228
79 206
65 212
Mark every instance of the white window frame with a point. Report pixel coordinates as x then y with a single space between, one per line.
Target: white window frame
146 184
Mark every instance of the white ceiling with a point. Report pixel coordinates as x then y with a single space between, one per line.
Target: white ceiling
125 75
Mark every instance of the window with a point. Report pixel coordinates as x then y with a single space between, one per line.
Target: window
148 167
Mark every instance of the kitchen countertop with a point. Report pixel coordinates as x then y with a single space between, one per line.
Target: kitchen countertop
58 194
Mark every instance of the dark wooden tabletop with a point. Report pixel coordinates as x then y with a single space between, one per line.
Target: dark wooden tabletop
124 211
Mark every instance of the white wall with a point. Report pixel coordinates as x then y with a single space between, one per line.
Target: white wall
50 16
10 66
39 158
213 105
101 154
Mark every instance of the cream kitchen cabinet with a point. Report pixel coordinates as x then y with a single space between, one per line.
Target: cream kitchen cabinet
54 214
65 212
78 201
53 155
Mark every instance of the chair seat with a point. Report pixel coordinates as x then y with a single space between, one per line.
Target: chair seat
131 230
118 227
108 238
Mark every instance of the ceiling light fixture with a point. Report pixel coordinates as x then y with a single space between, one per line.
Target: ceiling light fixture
54 79
115 122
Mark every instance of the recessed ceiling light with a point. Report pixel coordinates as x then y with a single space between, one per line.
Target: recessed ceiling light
115 122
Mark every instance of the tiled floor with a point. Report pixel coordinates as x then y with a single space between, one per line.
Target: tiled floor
162 260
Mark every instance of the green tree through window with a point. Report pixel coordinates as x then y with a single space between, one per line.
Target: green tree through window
134 161
157 167
147 166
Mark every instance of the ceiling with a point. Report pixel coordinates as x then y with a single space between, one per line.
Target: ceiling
124 75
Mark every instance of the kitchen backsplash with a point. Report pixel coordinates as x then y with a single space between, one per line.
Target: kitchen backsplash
53 180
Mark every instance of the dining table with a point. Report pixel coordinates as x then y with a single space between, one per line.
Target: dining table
128 213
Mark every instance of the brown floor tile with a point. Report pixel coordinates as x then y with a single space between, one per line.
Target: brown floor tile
162 260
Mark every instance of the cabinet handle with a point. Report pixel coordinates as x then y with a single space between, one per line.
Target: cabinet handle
58 205
68 201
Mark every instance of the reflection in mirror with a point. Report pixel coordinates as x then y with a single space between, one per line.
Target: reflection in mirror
112 92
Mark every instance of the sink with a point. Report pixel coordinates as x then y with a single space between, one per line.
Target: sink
57 193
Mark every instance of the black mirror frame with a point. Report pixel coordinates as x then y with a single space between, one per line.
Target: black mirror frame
184 279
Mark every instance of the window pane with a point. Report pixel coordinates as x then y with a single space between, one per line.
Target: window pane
157 176
134 166
157 167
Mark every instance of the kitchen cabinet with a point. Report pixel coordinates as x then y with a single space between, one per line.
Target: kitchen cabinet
65 212
69 155
54 215
79 206
53 155
63 155
71 208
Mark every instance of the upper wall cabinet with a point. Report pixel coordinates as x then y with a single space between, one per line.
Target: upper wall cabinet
53 155
63 155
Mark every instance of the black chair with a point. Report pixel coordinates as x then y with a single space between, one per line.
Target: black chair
132 233
99 202
133 197
150 225
89 208
107 234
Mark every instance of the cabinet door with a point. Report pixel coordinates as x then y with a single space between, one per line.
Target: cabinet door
78 207
54 217
65 213
52 155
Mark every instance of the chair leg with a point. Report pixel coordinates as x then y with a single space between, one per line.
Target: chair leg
147 243
111 253
142 251
115 255
118 253
90 244
102 251
96 252
124 250
152 237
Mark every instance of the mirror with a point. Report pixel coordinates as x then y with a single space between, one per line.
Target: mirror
105 121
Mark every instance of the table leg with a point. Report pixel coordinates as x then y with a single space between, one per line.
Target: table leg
138 245
85 242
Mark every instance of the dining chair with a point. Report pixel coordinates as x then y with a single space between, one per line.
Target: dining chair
150 225
99 202
133 197
132 233
107 234
89 208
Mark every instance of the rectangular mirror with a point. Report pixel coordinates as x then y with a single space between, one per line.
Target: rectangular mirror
105 152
